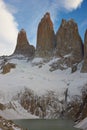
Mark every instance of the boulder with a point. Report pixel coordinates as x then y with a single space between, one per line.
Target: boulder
2 106
7 67
74 68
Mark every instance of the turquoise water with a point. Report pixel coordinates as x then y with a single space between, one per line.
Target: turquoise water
42 124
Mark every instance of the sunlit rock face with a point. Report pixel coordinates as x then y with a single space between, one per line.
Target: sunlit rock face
69 41
84 67
45 37
23 47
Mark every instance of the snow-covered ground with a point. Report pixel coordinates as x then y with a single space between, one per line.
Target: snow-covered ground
28 74
82 124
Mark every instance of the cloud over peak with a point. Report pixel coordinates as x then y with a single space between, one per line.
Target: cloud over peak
71 4
38 8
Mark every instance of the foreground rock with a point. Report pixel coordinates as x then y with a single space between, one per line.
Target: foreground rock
82 124
45 37
8 125
2 106
84 67
23 47
7 67
69 41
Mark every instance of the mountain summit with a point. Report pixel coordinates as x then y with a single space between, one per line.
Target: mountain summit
69 41
23 47
45 36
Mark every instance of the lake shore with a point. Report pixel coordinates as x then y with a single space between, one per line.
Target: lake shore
82 124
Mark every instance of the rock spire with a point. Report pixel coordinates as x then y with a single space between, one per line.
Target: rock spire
69 41
45 36
84 67
23 47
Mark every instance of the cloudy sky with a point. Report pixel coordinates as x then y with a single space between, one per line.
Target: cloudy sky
17 14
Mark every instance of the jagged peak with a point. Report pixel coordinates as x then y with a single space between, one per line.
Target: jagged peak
69 22
46 19
23 46
22 31
64 21
86 33
45 36
47 15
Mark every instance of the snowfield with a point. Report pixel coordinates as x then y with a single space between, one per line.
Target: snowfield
36 75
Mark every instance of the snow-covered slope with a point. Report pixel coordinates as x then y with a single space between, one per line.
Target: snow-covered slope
36 76
16 112
8 125
82 124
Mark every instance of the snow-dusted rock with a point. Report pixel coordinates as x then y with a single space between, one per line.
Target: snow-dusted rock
82 124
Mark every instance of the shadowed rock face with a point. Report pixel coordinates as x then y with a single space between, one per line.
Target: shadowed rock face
69 41
45 37
84 67
23 47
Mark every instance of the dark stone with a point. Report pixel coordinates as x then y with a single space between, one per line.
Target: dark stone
74 68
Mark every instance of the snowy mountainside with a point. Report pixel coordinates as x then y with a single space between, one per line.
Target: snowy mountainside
36 75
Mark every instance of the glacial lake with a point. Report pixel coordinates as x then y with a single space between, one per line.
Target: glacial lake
45 124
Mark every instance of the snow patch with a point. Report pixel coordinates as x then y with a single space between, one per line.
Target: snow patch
68 55
37 60
54 60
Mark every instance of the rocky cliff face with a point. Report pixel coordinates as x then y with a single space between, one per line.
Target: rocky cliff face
45 36
23 47
66 44
69 41
84 67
